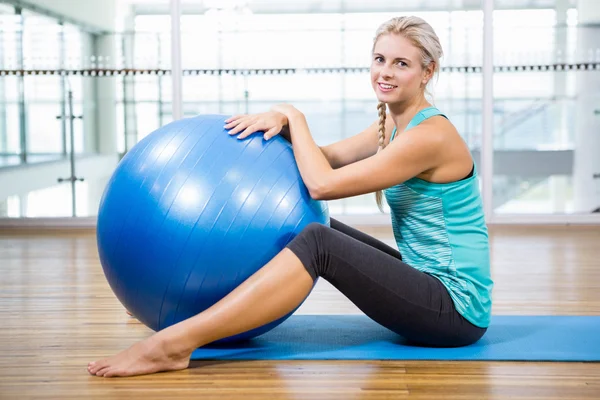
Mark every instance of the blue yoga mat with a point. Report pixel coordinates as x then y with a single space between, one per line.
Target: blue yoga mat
356 337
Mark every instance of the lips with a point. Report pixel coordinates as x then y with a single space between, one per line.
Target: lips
385 87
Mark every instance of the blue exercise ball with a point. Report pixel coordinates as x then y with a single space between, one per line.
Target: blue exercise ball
190 212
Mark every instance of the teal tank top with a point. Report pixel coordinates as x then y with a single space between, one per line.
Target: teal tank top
440 229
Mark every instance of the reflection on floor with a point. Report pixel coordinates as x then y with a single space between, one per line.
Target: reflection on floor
59 312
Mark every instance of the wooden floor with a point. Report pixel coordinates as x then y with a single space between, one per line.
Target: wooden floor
57 313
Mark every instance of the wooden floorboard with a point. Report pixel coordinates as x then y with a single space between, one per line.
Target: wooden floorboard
57 313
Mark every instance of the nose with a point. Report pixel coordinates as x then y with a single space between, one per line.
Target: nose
386 72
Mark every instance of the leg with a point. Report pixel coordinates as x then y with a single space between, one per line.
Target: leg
396 295
366 239
272 292
407 301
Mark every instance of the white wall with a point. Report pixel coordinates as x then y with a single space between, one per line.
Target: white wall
586 166
99 94
24 179
98 13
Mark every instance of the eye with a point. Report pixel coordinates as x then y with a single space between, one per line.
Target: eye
378 58
402 64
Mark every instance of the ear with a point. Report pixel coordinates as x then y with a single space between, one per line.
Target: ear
428 73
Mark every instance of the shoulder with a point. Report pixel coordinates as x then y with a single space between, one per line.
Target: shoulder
436 130
436 137
443 144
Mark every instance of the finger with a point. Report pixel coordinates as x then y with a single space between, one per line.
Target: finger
238 121
232 124
242 125
270 133
234 117
250 130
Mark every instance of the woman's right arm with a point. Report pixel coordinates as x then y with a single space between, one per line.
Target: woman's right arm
357 147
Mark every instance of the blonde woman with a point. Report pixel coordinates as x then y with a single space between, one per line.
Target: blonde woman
434 290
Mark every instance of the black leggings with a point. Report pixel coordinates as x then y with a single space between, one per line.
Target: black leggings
372 275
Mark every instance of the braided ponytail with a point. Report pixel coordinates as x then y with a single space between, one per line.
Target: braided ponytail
381 108
422 35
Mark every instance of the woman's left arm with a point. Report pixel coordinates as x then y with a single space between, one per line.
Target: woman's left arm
408 155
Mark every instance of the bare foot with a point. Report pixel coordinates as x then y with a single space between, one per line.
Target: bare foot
153 354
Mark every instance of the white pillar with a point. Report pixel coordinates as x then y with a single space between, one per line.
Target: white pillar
176 59
106 92
3 125
127 60
558 192
586 165
561 52
487 142
88 87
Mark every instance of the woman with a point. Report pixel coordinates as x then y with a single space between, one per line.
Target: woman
435 291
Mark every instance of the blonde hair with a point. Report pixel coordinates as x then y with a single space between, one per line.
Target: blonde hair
422 36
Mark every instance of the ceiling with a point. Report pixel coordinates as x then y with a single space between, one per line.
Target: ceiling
337 6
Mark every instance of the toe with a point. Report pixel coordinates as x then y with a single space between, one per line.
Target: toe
93 366
102 371
97 366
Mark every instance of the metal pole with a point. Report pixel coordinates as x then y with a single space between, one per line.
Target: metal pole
73 178
220 61
63 85
72 132
160 81
176 59
21 89
125 98
246 95
487 143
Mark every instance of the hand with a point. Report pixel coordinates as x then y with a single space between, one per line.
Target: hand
286 109
271 123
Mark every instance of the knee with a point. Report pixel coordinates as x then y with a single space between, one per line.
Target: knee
308 246
314 227
315 242
313 239
314 232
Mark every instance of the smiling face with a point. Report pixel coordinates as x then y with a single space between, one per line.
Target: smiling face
397 74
